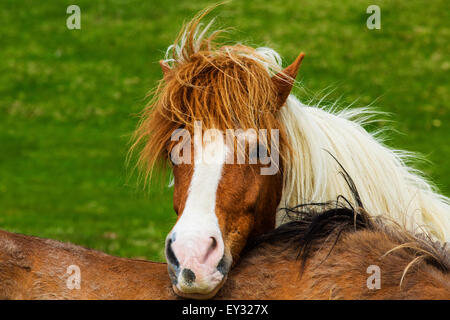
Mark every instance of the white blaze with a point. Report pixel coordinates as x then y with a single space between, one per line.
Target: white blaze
199 216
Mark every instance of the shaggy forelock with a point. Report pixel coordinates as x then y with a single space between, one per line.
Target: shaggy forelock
223 86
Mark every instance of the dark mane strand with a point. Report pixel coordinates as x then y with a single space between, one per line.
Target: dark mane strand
350 182
311 226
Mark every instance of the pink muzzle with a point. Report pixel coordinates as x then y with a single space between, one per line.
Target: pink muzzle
196 261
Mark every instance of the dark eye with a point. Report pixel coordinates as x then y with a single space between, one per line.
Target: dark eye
262 150
258 152
253 153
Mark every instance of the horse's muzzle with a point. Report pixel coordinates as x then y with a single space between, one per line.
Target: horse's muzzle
197 264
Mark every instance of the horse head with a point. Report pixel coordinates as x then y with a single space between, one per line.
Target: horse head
226 190
214 119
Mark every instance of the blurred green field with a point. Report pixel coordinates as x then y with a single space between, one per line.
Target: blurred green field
69 98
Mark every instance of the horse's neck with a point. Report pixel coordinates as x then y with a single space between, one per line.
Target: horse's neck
386 185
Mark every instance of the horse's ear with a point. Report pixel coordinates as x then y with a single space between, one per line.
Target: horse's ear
165 69
284 80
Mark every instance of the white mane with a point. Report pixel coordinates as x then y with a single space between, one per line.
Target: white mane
387 186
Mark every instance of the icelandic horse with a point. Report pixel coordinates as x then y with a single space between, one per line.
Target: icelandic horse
324 253
209 89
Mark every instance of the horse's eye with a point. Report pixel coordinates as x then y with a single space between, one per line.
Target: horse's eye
254 153
262 150
257 151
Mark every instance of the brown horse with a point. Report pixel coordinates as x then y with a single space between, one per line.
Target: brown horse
334 254
224 195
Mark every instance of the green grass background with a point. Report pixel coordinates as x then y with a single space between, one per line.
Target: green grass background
68 99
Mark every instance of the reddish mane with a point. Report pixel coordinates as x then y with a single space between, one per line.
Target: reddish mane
226 87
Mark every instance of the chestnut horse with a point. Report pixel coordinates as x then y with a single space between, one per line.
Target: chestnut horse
209 89
324 255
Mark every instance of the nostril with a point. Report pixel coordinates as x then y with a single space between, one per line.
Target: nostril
188 275
170 255
214 243
212 247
